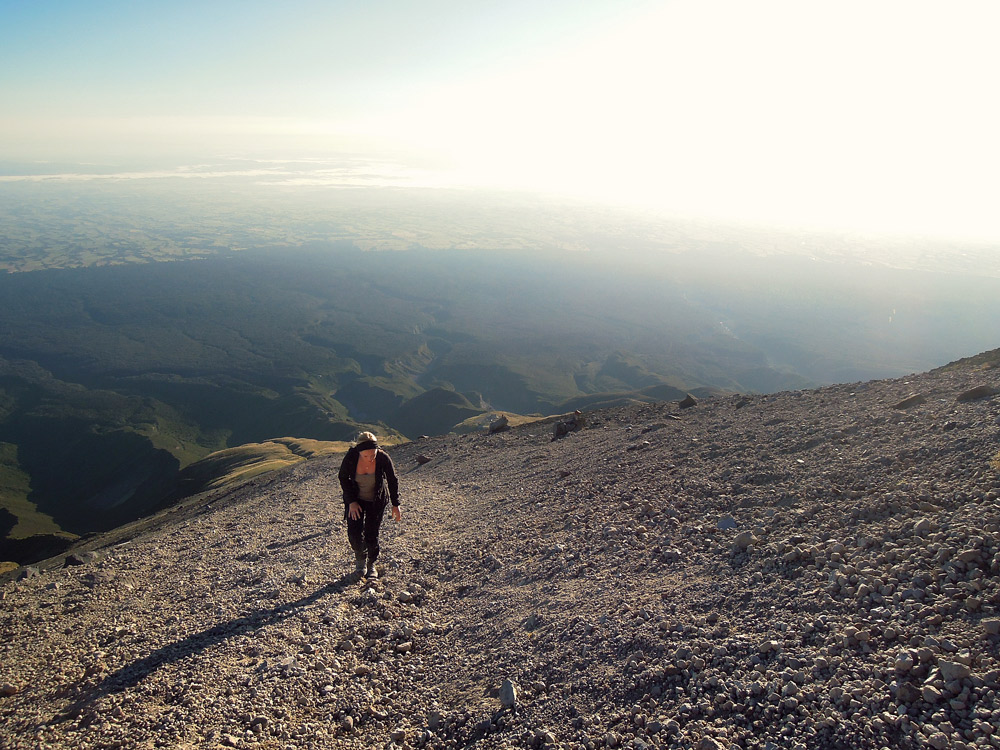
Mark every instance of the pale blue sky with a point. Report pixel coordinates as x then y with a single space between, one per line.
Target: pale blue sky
878 115
254 58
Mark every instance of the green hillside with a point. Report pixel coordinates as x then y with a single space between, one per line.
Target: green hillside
115 379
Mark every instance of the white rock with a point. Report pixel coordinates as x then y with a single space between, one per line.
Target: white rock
508 694
953 670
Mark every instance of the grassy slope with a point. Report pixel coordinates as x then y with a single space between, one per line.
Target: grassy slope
15 490
238 464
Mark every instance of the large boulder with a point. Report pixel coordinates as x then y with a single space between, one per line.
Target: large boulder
980 391
564 427
500 424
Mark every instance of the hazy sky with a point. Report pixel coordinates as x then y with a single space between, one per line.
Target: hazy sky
859 115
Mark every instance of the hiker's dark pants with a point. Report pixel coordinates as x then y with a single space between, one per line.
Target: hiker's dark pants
363 533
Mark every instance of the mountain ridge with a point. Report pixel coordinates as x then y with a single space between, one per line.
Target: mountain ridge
167 363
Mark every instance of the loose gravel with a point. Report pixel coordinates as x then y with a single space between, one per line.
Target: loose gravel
813 569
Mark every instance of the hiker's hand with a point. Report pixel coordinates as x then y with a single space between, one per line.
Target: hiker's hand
354 511
395 513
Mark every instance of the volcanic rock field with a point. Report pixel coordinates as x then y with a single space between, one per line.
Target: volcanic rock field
814 569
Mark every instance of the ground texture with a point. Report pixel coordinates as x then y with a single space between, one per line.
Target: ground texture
804 570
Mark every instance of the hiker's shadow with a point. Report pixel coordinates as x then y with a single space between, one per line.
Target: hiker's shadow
131 674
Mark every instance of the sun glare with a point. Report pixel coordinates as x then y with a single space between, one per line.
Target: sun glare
716 108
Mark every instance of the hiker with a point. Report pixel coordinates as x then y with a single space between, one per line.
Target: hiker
368 479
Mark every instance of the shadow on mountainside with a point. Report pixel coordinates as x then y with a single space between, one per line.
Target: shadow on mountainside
131 674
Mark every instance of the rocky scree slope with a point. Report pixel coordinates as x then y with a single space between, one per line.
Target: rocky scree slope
812 569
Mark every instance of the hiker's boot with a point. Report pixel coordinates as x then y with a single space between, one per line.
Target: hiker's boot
372 571
359 564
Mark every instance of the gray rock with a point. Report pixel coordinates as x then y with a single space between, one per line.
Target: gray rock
980 391
953 670
910 401
508 694
903 663
931 694
79 558
545 737
907 693
259 721
564 427
743 540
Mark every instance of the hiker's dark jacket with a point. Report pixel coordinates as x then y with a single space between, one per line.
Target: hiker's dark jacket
386 484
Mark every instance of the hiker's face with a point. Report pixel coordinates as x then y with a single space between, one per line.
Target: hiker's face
368 455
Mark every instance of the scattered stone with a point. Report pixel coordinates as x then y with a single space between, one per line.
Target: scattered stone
564 427
79 558
545 738
500 424
687 402
951 670
931 694
915 400
744 540
422 459
726 523
907 693
974 394
866 616
508 694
